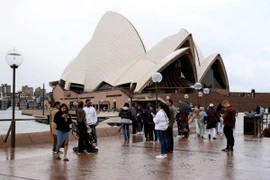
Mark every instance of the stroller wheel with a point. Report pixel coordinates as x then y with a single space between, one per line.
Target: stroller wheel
75 149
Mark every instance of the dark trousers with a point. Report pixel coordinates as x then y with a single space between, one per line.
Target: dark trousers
151 131
54 142
83 139
134 126
228 131
94 132
140 126
146 131
169 137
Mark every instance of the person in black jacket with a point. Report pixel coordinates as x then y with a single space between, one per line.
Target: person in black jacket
150 123
83 141
62 120
125 114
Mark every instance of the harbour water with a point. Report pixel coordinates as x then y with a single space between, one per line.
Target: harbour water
21 126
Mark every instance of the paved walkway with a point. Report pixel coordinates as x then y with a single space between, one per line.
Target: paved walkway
192 159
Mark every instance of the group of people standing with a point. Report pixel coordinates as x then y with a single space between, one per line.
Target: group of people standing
60 126
221 119
158 122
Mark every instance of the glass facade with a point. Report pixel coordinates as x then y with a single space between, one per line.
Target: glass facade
214 78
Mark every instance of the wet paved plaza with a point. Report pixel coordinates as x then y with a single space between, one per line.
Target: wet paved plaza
192 159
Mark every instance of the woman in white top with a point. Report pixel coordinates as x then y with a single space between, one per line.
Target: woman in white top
161 121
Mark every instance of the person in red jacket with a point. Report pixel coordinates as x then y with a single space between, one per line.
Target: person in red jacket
229 124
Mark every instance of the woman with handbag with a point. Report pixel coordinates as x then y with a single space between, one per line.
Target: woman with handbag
62 120
161 121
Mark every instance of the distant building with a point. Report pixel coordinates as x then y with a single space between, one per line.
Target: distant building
5 90
27 91
39 92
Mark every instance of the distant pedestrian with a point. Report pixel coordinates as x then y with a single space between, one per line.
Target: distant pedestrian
53 111
91 118
161 124
63 120
195 118
151 134
125 115
83 142
139 120
169 132
229 125
201 121
212 120
134 118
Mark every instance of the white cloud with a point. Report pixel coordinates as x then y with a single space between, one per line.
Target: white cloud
266 49
245 73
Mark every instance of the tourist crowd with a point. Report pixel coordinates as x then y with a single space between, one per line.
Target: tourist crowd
157 123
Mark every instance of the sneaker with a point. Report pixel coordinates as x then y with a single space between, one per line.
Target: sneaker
162 156
214 138
225 149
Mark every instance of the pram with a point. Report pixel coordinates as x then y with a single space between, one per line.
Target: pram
75 132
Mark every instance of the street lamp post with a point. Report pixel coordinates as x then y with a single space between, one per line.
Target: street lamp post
14 59
198 86
156 78
200 94
206 91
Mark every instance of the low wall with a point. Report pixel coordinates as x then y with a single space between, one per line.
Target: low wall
27 139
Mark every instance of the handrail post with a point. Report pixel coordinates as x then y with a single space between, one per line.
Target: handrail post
6 138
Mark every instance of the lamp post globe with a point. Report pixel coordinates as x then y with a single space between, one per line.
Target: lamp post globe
197 86
206 91
14 59
157 78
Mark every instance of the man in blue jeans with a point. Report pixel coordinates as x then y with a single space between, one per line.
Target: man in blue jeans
91 117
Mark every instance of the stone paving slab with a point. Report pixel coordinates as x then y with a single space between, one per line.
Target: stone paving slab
192 159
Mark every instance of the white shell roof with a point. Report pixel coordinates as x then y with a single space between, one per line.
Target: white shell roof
115 43
116 55
207 63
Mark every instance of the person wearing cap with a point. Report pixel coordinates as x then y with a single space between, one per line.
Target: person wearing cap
202 116
229 125
212 119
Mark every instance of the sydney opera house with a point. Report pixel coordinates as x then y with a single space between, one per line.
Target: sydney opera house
114 67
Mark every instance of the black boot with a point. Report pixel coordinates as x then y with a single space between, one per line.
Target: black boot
209 136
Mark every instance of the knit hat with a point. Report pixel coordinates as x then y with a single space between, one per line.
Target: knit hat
211 105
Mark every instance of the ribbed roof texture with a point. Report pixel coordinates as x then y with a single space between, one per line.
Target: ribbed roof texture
116 55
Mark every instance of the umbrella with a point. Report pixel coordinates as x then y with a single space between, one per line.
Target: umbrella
184 107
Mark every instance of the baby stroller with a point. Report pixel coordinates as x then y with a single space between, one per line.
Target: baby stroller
75 132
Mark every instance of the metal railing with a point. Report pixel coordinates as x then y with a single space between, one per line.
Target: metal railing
24 119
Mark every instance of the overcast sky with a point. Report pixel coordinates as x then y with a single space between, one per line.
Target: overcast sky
51 33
